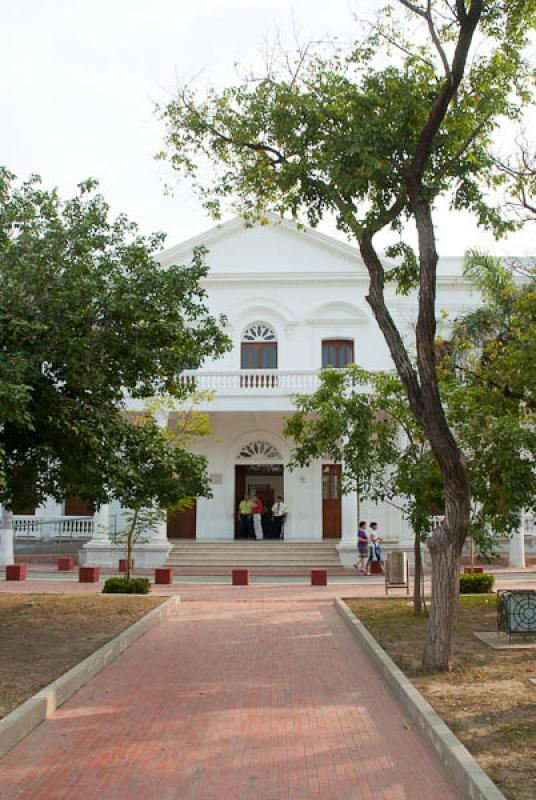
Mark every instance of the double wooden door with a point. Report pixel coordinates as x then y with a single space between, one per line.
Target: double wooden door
331 501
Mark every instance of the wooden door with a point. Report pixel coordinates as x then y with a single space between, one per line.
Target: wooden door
76 507
240 488
331 501
182 524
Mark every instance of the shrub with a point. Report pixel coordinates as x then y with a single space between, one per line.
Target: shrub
479 583
127 586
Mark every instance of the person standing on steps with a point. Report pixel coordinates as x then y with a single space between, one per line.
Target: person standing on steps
244 516
257 516
375 550
279 515
362 548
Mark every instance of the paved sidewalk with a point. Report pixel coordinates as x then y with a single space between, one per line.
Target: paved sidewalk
247 693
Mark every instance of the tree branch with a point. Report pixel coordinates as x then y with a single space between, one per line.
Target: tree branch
437 42
461 150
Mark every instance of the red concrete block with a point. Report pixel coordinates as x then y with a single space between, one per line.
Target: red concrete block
16 572
88 574
123 565
65 563
319 577
240 577
163 575
473 570
375 568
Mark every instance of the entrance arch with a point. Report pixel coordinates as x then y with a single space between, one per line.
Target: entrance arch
258 469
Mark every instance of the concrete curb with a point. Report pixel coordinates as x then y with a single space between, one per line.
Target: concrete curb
470 779
20 722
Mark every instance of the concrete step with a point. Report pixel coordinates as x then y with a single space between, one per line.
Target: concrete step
273 554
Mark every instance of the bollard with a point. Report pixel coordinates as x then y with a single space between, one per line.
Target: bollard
65 563
319 577
163 575
123 565
15 572
88 574
240 577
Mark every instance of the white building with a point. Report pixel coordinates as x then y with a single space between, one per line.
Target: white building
295 302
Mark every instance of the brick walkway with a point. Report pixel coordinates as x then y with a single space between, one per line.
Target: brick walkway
257 693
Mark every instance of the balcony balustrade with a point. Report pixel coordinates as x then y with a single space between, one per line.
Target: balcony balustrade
260 381
30 527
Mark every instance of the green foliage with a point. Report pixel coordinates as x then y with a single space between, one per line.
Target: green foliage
364 420
127 586
337 134
87 318
477 583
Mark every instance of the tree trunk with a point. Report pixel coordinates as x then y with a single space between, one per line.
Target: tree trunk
438 655
417 573
130 537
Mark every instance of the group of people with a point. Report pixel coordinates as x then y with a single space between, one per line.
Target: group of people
250 514
368 548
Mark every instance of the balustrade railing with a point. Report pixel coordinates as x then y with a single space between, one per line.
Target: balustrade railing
251 380
30 527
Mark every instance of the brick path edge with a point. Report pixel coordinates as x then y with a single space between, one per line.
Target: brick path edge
470 779
22 720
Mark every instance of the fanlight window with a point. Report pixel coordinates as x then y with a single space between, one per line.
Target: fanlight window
259 333
260 449
259 347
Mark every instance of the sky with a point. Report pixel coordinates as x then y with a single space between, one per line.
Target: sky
79 80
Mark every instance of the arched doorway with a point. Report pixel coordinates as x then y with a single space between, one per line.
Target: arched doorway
259 471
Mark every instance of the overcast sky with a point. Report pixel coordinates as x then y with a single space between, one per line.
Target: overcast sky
79 80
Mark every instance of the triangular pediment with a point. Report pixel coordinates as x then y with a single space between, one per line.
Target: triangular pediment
279 246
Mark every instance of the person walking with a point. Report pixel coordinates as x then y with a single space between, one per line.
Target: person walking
362 548
279 515
257 516
245 509
375 550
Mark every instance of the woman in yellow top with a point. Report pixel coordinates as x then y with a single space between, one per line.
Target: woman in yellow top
245 509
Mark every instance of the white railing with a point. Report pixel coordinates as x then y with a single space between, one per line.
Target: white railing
270 381
30 527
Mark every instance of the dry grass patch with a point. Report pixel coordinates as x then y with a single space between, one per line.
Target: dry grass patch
42 636
488 700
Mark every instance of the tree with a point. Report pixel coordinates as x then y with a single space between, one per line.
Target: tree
376 146
155 472
88 318
364 421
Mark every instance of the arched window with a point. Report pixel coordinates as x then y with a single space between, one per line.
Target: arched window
337 352
260 448
259 347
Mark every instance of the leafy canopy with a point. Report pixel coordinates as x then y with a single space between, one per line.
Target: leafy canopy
87 318
339 132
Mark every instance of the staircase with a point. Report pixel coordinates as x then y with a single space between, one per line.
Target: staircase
266 556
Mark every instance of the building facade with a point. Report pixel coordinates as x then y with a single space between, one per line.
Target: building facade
295 301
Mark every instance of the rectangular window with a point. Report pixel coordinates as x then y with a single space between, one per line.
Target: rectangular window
337 353
259 355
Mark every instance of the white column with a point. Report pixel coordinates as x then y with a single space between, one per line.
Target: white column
101 519
347 547
516 554
6 537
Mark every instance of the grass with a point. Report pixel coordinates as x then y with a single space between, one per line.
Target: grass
487 700
42 636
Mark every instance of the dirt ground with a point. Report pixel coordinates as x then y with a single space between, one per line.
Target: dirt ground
488 700
42 636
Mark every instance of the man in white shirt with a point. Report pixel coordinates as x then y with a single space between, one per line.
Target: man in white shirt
279 514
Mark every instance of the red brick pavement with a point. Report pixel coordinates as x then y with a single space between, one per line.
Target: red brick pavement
253 693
